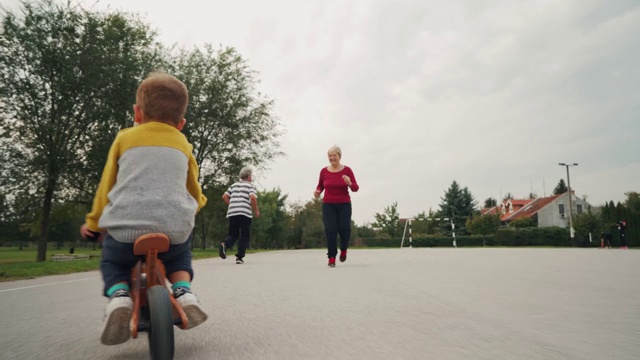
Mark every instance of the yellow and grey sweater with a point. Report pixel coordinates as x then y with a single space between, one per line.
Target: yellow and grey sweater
149 184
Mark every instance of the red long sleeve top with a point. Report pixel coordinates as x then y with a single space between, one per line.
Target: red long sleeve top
335 189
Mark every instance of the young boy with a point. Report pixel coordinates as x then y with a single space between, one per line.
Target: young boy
149 185
240 197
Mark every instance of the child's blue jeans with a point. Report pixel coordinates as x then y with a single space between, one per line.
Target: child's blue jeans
118 260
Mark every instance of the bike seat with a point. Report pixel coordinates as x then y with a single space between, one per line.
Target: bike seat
157 241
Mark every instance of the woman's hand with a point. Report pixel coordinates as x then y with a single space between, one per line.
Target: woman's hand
346 179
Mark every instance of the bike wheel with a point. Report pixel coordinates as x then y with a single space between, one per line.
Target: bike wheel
161 343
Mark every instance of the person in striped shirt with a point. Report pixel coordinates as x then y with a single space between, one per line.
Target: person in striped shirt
242 198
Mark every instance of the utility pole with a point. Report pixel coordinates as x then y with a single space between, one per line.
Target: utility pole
571 232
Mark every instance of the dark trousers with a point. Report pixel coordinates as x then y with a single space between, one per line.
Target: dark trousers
337 220
239 227
118 260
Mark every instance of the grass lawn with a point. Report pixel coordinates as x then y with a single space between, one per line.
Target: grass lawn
20 264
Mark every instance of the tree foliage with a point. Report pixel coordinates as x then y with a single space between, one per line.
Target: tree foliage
229 123
561 188
483 225
425 224
522 223
306 229
457 204
490 202
268 230
388 222
587 223
65 73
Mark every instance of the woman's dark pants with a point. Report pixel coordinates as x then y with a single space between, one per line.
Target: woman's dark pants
337 220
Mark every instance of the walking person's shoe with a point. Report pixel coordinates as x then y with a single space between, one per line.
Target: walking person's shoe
191 306
117 317
222 250
239 261
343 255
332 262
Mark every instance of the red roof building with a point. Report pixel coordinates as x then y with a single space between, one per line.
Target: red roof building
544 211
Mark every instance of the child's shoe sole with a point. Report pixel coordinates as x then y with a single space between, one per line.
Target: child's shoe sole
117 329
195 315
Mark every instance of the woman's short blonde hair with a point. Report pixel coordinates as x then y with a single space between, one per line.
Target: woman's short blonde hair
336 149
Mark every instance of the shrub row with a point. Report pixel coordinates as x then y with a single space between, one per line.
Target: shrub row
550 236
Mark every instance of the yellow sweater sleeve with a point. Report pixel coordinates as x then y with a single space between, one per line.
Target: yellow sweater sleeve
193 186
109 176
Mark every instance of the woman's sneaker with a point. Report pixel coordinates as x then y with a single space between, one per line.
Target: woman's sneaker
343 255
118 315
222 250
239 261
332 262
191 307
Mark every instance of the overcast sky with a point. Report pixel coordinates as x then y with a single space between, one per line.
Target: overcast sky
492 94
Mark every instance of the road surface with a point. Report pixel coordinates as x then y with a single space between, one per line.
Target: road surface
381 304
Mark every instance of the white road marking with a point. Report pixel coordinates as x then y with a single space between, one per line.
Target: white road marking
41 285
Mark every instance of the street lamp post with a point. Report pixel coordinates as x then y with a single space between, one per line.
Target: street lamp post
571 233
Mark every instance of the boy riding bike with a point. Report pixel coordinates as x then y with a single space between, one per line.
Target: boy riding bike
149 185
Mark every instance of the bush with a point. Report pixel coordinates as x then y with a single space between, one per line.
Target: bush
550 236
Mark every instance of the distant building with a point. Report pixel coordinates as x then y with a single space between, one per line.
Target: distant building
544 211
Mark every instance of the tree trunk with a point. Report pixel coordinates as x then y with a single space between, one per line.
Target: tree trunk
203 232
44 222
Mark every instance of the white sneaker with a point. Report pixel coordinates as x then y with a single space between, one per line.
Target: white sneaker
118 315
191 307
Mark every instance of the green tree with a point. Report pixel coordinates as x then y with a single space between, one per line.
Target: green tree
64 73
388 222
561 188
268 229
490 202
457 204
483 225
425 224
365 231
229 123
633 201
306 229
588 223
212 221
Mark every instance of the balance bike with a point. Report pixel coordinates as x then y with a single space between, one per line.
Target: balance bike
155 310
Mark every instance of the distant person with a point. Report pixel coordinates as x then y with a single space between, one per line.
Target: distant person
241 197
605 240
336 180
621 229
149 185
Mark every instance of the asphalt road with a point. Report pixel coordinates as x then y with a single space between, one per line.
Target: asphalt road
380 304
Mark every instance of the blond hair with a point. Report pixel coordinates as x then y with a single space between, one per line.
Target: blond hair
162 97
336 149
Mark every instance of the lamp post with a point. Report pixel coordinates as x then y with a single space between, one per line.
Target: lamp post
570 196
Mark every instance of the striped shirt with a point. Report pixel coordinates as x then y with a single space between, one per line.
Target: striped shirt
239 200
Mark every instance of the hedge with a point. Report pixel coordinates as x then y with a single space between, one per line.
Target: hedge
533 236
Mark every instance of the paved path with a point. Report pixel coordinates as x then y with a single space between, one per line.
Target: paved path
380 304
